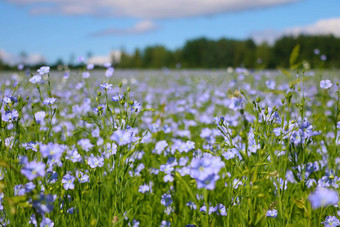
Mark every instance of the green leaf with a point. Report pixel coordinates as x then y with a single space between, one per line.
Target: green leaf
285 72
294 55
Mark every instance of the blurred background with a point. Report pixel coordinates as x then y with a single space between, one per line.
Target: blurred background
169 33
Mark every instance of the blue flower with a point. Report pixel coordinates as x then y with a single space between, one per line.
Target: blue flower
86 74
325 84
43 70
106 86
144 188
52 150
44 203
73 155
166 129
39 116
220 210
192 205
90 66
271 213
166 200
46 222
122 137
107 65
323 197
165 224
203 167
136 106
109 72
49 101
331 221
10 116
85 144
68 181
33 169
82 178
19 190
117 98
35 79
160 146
236 103
208 182
94 162
270 84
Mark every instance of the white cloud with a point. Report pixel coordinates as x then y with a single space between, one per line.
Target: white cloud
139 28
14 59
102 59
321 27
99 60
146 9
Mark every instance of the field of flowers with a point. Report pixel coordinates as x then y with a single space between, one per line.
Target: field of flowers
169 148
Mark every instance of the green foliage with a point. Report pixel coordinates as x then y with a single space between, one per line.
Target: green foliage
286 52
294 56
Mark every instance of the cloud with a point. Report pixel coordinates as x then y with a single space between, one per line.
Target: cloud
13 59
322 27
139 28
114 56
145 9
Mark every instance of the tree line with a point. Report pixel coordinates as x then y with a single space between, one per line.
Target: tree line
315 51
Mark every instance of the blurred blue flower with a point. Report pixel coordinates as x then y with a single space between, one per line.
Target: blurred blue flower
43 70
270 84
82 178
39 116
46 222
109 72
10 116
331 221
94 162
144 188
122 137
49 101
323 197
86 74
44 203
165 224
33 169
106 86
325 84
35 79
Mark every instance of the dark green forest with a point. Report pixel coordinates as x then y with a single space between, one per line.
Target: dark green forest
222 53
314 51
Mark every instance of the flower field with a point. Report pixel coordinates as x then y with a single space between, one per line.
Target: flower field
169 148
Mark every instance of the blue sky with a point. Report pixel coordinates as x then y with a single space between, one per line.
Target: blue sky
56 29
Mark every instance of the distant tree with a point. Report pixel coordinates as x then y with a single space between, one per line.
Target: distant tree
89 55
263 56
206 53
72 59
59 62
23 57
2 66
137 59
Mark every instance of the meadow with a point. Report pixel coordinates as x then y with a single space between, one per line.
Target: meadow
232 147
